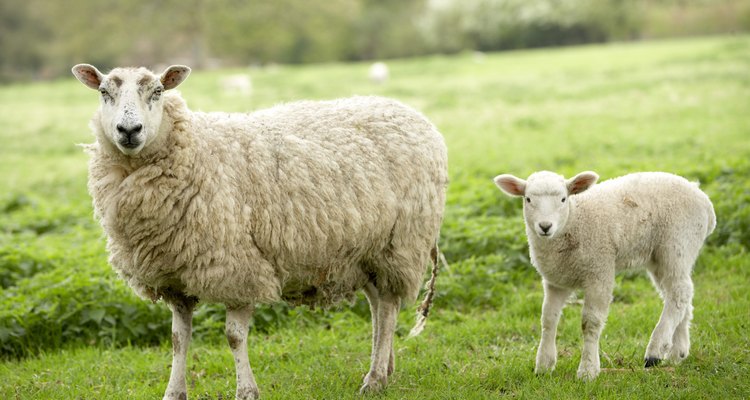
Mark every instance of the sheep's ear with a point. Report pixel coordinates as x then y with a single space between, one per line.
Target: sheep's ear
581 182
88 75
511 185
173 76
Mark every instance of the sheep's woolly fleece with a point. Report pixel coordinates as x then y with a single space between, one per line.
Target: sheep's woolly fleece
304 202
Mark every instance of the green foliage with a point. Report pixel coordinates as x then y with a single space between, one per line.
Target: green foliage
36 43
678 106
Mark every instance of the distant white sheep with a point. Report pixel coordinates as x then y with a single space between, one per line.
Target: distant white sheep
579 238
379 72
306 202
237 85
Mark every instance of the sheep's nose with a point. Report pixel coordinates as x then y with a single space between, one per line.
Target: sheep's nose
545 226
129 131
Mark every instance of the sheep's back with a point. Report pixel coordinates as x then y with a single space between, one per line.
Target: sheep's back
325 184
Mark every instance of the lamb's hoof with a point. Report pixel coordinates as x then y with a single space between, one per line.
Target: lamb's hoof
679 352
652 362
373 384
677 356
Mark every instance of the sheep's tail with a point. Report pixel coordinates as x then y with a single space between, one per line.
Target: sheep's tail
424 309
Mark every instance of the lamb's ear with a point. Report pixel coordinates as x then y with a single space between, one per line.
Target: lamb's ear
173 76
511 185
88 75
581 182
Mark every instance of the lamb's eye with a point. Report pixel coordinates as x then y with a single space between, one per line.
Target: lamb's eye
563 199
158 91
103 91
528 199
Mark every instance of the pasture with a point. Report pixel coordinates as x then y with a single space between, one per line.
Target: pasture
70 328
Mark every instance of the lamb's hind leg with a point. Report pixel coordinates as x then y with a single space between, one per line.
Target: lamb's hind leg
676 287
237 322
182 327
383 332
681 338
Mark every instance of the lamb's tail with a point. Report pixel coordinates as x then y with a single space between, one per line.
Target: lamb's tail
711 213
424 309
711 219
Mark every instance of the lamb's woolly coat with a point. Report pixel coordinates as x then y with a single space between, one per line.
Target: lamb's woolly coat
304 202
621 223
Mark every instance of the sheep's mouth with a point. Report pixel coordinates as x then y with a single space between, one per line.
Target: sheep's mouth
128 144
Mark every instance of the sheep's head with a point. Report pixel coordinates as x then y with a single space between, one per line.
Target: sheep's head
131 105
545 198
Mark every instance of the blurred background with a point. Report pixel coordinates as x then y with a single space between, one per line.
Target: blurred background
652 85
40 39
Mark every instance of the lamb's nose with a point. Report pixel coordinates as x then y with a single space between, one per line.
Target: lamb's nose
129 131
545 226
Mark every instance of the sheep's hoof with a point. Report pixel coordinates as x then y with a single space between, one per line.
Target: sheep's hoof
373 384
175 396
247 393
587 374
652 362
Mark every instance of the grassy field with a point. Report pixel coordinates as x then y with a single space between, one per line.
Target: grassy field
70 329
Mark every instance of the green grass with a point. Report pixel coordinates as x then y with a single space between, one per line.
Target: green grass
69 328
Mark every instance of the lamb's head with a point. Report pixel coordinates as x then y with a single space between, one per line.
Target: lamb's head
131 107
545 198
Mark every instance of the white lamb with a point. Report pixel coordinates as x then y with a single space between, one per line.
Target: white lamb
306 202
579 238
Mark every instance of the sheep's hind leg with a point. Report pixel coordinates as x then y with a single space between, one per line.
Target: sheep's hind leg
371 292
677 290
382 355
554 301
182 327
594 315
236 330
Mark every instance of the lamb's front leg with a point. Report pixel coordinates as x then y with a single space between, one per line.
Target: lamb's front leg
182 328
554 301
238 319
595 308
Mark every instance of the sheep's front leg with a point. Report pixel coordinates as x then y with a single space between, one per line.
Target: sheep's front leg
382 354
182 328
236 330
595 308
554 301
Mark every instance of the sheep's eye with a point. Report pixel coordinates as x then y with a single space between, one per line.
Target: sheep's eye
157 93
563 199
528 199
103 91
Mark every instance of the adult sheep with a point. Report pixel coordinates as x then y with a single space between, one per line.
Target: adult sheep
306 202
580 234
